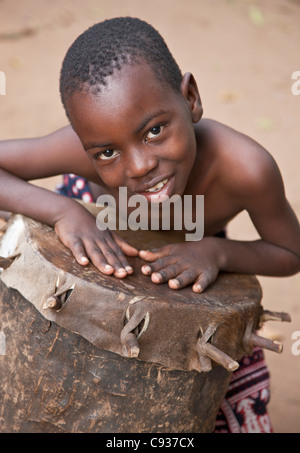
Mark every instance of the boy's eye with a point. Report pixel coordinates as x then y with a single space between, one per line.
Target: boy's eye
107 154
154 132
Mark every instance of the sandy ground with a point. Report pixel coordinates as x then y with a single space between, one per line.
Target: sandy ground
243 54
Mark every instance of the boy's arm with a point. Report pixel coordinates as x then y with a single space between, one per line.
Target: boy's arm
41 157
22 160
278 252
258 189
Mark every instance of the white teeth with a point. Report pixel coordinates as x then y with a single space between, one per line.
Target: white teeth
158 186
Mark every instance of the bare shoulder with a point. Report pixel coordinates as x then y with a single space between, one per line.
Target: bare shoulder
242 164
248 178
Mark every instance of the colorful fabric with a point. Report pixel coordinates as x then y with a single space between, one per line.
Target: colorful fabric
244 409
75 187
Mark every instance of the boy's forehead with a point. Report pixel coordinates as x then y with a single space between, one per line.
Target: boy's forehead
133 71
132 89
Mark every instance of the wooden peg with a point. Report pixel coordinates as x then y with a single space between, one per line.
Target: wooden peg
204 361
207 349
53 302
265 343
219 356
132 345
268 315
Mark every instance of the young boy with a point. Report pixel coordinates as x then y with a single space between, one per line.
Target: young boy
136 123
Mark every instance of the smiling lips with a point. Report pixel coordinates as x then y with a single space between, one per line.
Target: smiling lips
158 186
160 191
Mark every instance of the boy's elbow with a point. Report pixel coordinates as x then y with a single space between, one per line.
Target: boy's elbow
291 265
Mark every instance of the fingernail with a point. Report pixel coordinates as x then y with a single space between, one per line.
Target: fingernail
108 267
146 269
84 259
121 269
128 269
197 288
175 282
157 275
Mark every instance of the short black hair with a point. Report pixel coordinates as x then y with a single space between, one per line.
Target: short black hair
106 47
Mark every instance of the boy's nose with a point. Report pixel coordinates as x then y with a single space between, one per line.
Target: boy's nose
140 163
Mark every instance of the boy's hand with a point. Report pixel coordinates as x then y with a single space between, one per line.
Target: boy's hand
106 250
196 263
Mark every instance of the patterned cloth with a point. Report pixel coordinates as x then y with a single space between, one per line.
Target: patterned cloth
244 409
75 187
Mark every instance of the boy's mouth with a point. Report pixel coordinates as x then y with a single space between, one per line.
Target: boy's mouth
159 191
155 185
158 186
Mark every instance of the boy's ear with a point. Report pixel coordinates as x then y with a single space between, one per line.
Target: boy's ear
191 94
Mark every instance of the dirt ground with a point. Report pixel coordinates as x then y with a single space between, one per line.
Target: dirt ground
243 54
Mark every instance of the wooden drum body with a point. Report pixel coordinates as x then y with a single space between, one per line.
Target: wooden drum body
89 353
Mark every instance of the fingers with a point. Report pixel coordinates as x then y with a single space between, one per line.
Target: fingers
105 250
183 279
79 253
161 270
106 255
126 248
154 254
177 275
189 277
203 281
109 259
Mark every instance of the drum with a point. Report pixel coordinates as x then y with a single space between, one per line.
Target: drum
89 353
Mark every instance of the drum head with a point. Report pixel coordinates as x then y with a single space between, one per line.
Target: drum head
165 325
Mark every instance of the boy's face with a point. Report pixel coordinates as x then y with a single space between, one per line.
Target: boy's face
138 133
